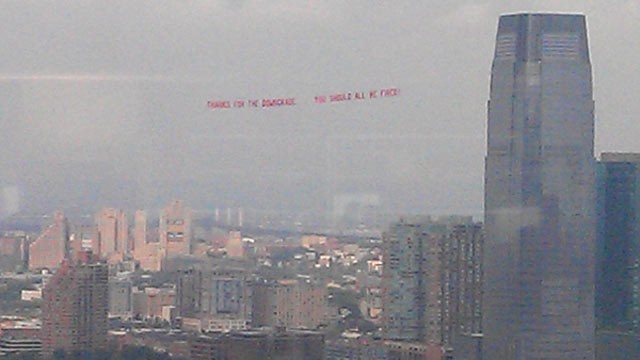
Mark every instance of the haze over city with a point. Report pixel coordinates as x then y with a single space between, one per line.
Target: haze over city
106 104
311 180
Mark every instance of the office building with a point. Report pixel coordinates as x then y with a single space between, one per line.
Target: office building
74 307
618 271
52 246
111 240
189 293
462 282
175 229
148 255
540 192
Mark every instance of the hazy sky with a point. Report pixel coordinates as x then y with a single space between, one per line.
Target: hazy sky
104 102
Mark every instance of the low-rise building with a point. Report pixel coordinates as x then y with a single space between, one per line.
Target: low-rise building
293 303
273 344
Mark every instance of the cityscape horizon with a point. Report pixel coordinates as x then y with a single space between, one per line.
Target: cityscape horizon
320 181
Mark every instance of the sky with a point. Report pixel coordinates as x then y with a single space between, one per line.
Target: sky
105 103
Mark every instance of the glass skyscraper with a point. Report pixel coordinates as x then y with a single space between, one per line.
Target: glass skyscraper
540 192
618 271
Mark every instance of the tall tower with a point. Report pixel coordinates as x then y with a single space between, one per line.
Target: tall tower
74 307
540 192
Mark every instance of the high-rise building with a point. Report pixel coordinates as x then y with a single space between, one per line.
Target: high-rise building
189 293
432 280
112 235
412 281
618 271
52 246
540 192
74 307
139 229
462 282
148 254
175 229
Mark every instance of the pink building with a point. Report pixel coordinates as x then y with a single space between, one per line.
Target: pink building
175 229
51 247
149 255
112 235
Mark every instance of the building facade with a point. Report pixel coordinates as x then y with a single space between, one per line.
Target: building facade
432 280
52 246
74 307
274 344
148 255
111 240
151 303
540 192
175 229
120 298
462 282
412 281
221 299
292 303
618 271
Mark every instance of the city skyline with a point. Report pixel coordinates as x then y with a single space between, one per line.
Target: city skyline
105 110
231 166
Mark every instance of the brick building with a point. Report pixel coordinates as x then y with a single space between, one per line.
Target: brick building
74 307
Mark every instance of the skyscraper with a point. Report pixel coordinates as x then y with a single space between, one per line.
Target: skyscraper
74 307
540 192
112 235
618 274
431 280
